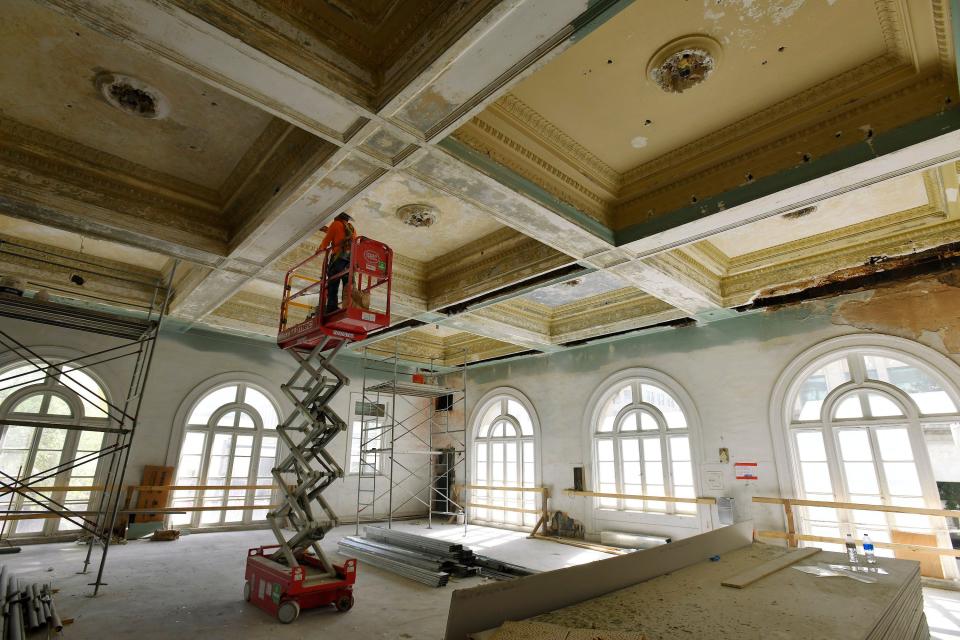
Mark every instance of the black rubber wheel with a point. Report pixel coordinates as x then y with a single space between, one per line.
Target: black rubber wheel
344 602
288 612
246 591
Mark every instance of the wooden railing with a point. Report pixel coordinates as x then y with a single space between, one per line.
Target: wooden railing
130 490
541 511
630 496
793 537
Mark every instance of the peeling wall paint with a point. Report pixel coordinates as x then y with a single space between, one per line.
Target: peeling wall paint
929 305
729 368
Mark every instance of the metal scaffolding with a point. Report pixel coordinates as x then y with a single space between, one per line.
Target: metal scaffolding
420 457
136 330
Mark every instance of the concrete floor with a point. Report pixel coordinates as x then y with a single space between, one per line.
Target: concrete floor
192 588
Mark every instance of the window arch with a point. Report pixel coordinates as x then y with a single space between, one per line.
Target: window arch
229 439
504 455
30 393
641 439
863 416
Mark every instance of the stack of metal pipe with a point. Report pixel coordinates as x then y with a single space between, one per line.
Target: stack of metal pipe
26 607
421 568
456 552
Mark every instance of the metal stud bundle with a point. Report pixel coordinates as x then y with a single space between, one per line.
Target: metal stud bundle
27 607
426 560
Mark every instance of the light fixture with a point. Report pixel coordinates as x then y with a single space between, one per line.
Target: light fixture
131 95
418 215
684 63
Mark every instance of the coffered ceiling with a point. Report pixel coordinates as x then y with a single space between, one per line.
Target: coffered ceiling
571 197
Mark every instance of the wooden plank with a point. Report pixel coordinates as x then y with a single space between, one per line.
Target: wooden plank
930 565
583 544
488 606
747 578
780 535
478 505
521 489
923 511
630 496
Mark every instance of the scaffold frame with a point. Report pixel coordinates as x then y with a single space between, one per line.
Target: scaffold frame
136 327
438 435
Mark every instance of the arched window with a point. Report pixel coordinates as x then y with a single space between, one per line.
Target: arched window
862 425
69 396
641 446
504 455
229 440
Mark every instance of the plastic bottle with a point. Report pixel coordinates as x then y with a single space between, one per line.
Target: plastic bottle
851 550
868 549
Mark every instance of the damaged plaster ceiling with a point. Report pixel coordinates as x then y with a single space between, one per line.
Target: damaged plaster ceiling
488 175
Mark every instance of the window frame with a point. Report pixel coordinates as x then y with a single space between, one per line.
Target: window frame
210 431
505 395
51 386
667 520
856 348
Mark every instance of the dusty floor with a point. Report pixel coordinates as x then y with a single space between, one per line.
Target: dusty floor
192 589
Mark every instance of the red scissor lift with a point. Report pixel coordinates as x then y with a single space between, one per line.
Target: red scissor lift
295 574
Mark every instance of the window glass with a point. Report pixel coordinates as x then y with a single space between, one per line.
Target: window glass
91 394
18 378
882 406
210 403
849 408
816 387
930 396
264 407
662 400
643 455
612 407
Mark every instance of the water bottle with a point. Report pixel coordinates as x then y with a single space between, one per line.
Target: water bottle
868 549
851 550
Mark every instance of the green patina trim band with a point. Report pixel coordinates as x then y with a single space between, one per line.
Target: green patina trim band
518 183
597 13
882 144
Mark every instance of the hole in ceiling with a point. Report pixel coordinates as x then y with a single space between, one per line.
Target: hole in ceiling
799 213
807 157
132 96
418 215
647 122
576 282
684 63
781 49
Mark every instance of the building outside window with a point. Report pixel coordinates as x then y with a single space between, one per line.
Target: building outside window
873 426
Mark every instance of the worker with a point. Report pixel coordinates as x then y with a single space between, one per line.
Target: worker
338 240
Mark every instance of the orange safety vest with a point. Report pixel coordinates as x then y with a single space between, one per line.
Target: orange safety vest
338 238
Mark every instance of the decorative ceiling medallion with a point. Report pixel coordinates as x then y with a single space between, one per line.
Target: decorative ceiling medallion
684 63
799 213
132 96
418 215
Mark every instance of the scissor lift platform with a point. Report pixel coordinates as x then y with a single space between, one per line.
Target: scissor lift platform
295 574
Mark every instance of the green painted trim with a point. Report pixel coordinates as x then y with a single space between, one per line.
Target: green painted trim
515 181
517 293
955 23
597 14
880 145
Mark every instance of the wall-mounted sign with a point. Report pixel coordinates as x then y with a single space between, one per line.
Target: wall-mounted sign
745 470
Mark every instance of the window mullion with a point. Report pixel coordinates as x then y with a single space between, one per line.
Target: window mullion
666 460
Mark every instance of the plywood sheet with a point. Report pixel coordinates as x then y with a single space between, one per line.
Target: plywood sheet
488 606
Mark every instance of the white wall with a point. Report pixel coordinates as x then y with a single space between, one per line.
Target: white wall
184 362
728 368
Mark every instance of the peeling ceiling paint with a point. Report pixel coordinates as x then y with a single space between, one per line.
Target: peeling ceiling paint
592 284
